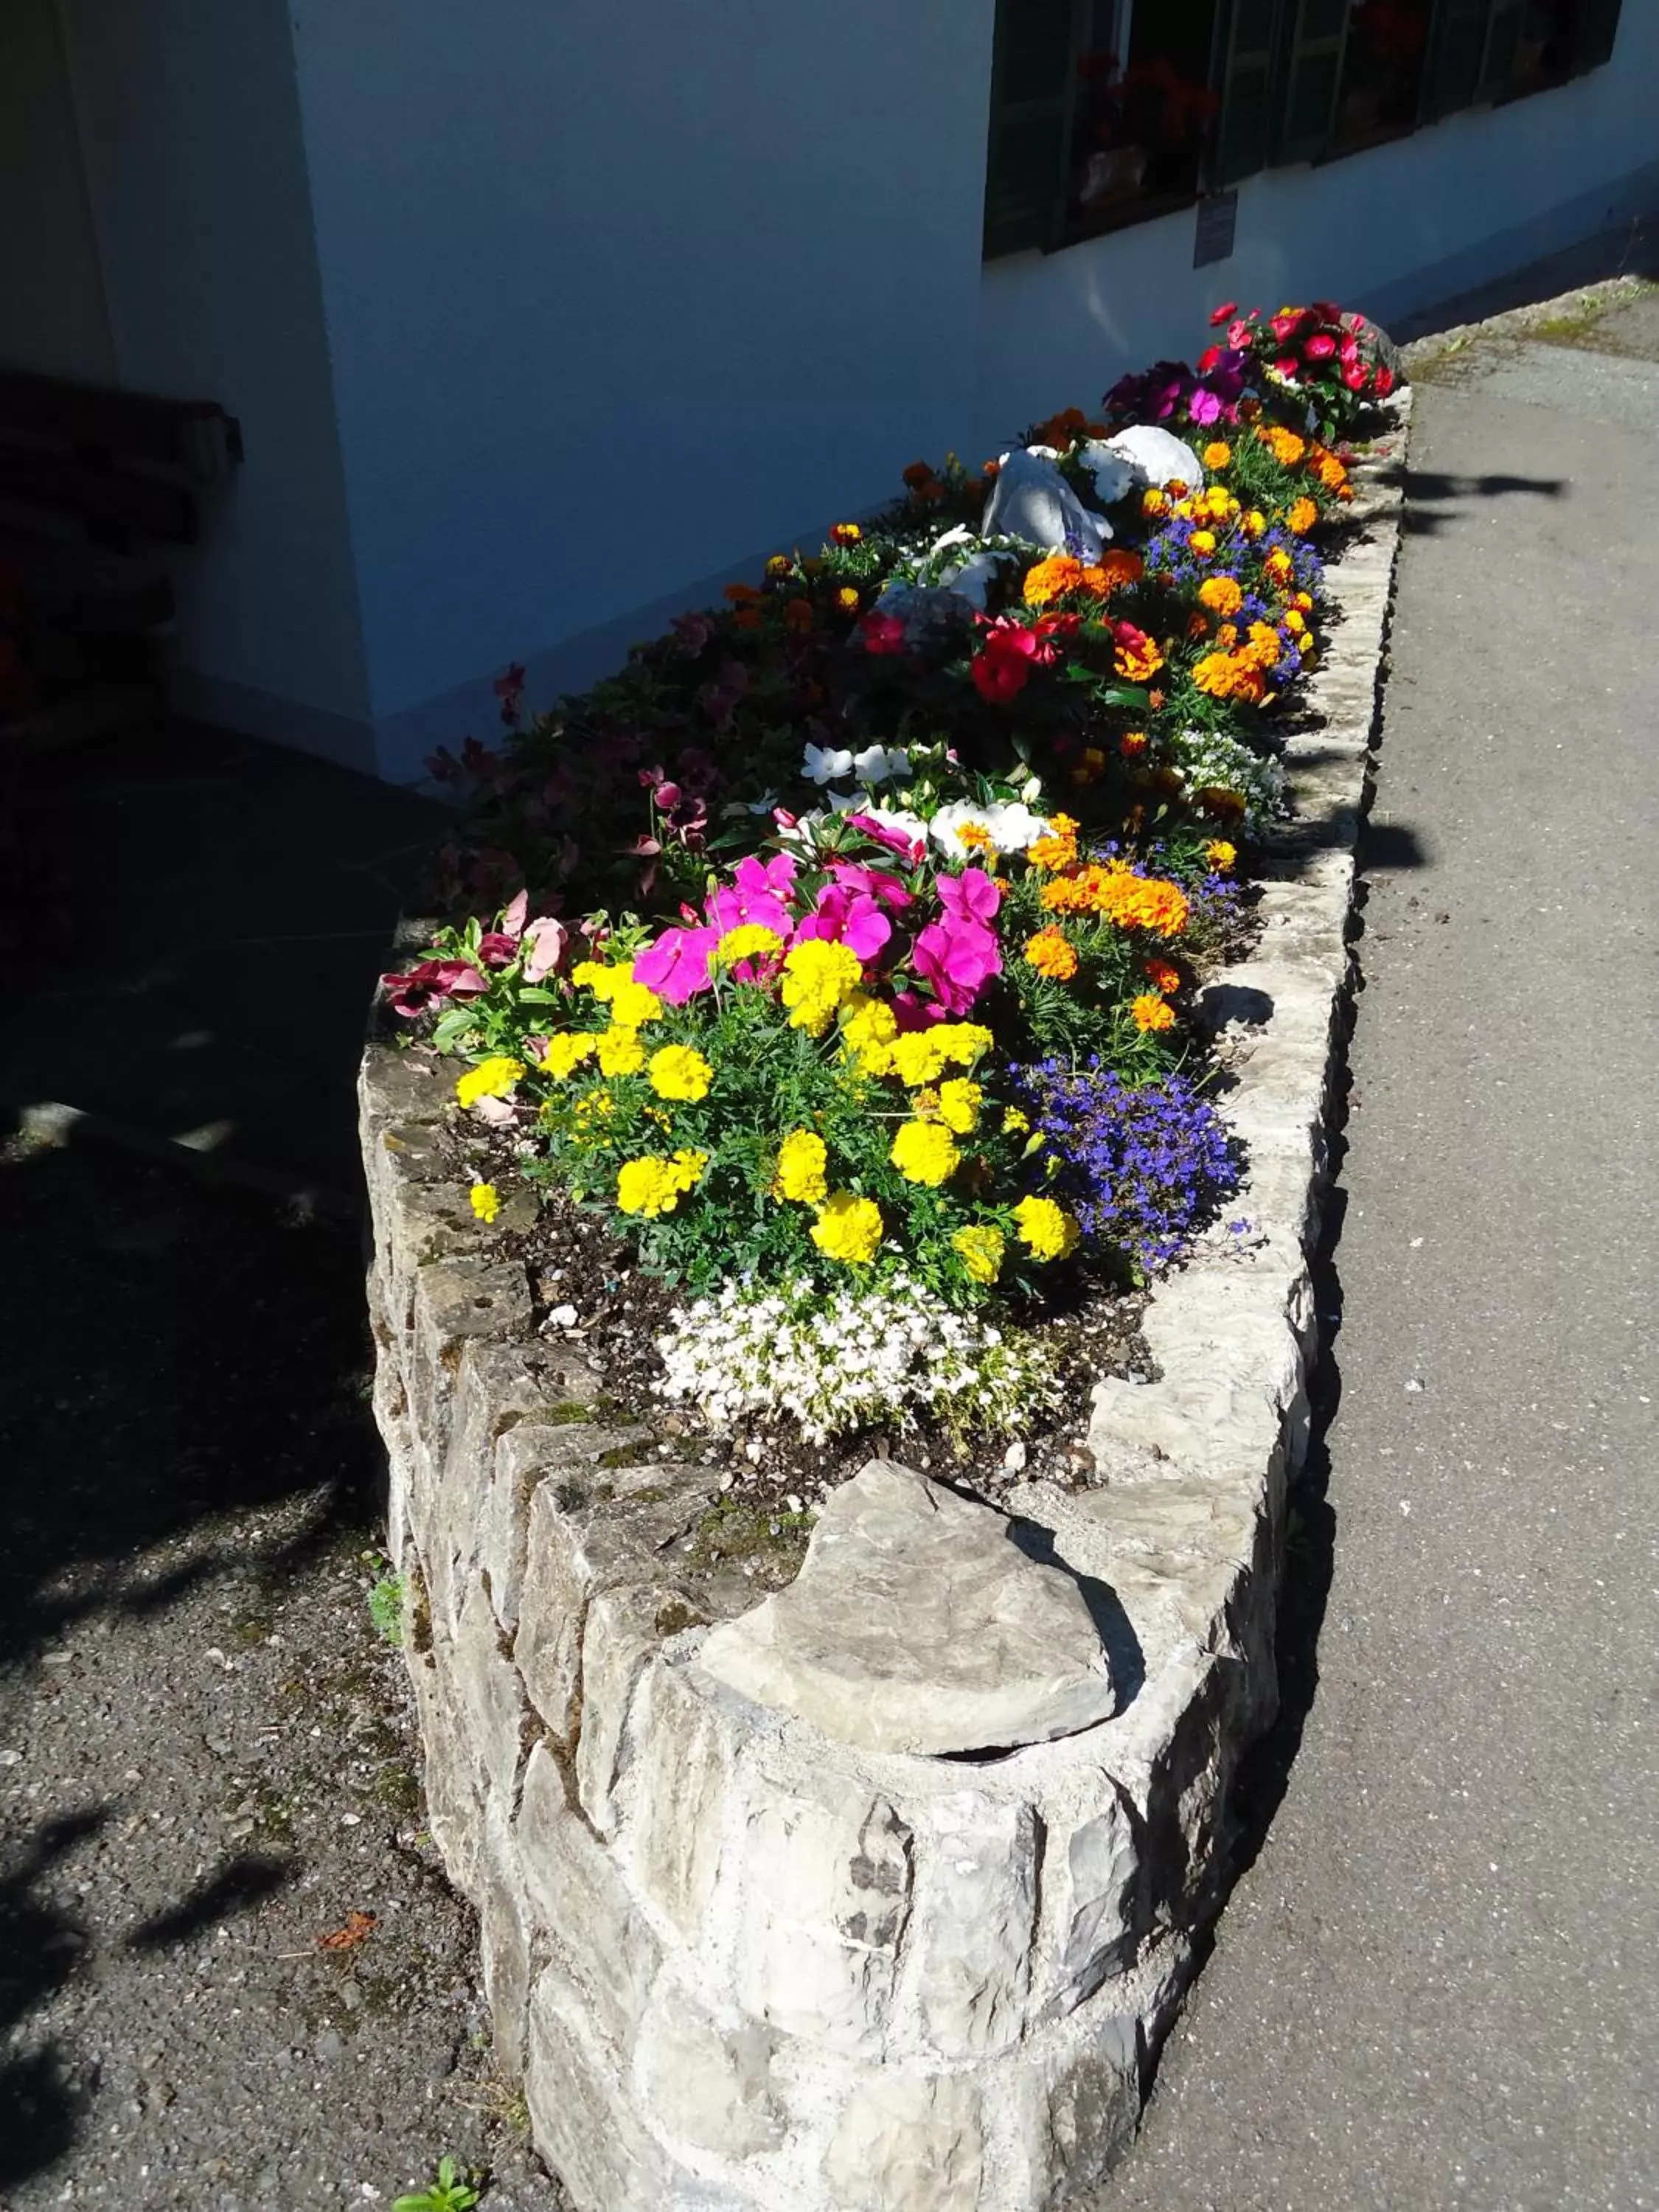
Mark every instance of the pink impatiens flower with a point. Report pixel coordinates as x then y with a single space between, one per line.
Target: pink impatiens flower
675 966
849 918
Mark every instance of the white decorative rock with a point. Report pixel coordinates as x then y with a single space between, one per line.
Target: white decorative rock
917 1624
1159 456
1033 500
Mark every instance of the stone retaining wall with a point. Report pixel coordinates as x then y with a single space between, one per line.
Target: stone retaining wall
746 1944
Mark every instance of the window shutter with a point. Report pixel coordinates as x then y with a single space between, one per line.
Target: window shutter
1313 77
1457 51
1498 68
1244 137
1594 34
1033 85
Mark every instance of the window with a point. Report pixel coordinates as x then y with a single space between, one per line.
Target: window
1109 111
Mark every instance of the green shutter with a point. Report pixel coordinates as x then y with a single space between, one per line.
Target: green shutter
1033 83
1244 135
1501 61
1313 77
1457 52
1594 34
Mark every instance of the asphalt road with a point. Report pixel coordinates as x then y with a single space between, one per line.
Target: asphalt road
1438 1984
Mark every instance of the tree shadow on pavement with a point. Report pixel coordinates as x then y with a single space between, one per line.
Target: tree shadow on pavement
42 1946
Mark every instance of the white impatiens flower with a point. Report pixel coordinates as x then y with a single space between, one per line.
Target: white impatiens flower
1115 475
1009 824
876 764
971 575
822 765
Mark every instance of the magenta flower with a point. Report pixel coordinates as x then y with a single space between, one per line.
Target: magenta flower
1320 347
873 882
886 833
956 959
849 918
879 633
675 966
432 984
970 898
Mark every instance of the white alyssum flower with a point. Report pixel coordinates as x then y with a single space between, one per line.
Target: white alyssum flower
1209 761
846 1358
1009 824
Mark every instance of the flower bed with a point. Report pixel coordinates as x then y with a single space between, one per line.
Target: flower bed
845 945
879 1891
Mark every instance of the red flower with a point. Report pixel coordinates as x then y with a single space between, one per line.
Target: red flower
1320 347
1223 313
1355 378
1384 382
1284 326
879 633
1287 365
1002 668
432 983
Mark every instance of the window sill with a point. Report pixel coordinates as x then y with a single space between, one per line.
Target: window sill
1101 222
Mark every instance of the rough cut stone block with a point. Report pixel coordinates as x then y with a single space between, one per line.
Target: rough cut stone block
822 1891
453 1776
492 1694
576 1892
682 1778
509 1964
918 1624
1093 1871
908 2140
968 1948
623 1630
1071 2110
708 2085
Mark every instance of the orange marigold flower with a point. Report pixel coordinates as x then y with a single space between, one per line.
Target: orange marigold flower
1286 448
1222 857
743 595
931 493
1278 564
1301 516
747 618
1265 646
1047 579
1223 595
1177 488
1197 624
918 473
1153 1012
1217 454
991 468
1163 976
1137 659
976 837
1122 565
1133 744
1090 766
798 614
1052 954
1058 849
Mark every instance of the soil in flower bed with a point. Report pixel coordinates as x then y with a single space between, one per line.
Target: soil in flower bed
573 1262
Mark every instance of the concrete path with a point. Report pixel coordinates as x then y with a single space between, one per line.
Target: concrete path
1438 1984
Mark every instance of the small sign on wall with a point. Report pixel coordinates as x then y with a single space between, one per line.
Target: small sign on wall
1217 218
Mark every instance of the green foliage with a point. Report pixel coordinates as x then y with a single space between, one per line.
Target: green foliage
451 2192
386 1600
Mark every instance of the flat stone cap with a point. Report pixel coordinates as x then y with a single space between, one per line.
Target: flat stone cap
918 1624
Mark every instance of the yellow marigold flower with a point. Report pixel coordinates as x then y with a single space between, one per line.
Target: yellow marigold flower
1278 565
593 1109
1301 516
1294 620
1221 855
962 1043
847 1228
959 1102
1304 601
1203 542
817 977
567 1051
802 1160
1162 976
868 1028
1047 579
1015 1122
632 1005
750 940
1223 595
1153 502
1052 953
486 1201
1215 673
1133 744
1152 1012
981 1248
1058 848
1253 523
1047 1230
916 1057
1091 767
847 599
491 1078
846 533
593 976
621 1052
1217 454
924 1152
679 1071
778 565
654 1185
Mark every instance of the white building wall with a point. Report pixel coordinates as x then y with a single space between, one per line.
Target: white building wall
52 296
620 297
190 127
1396 228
